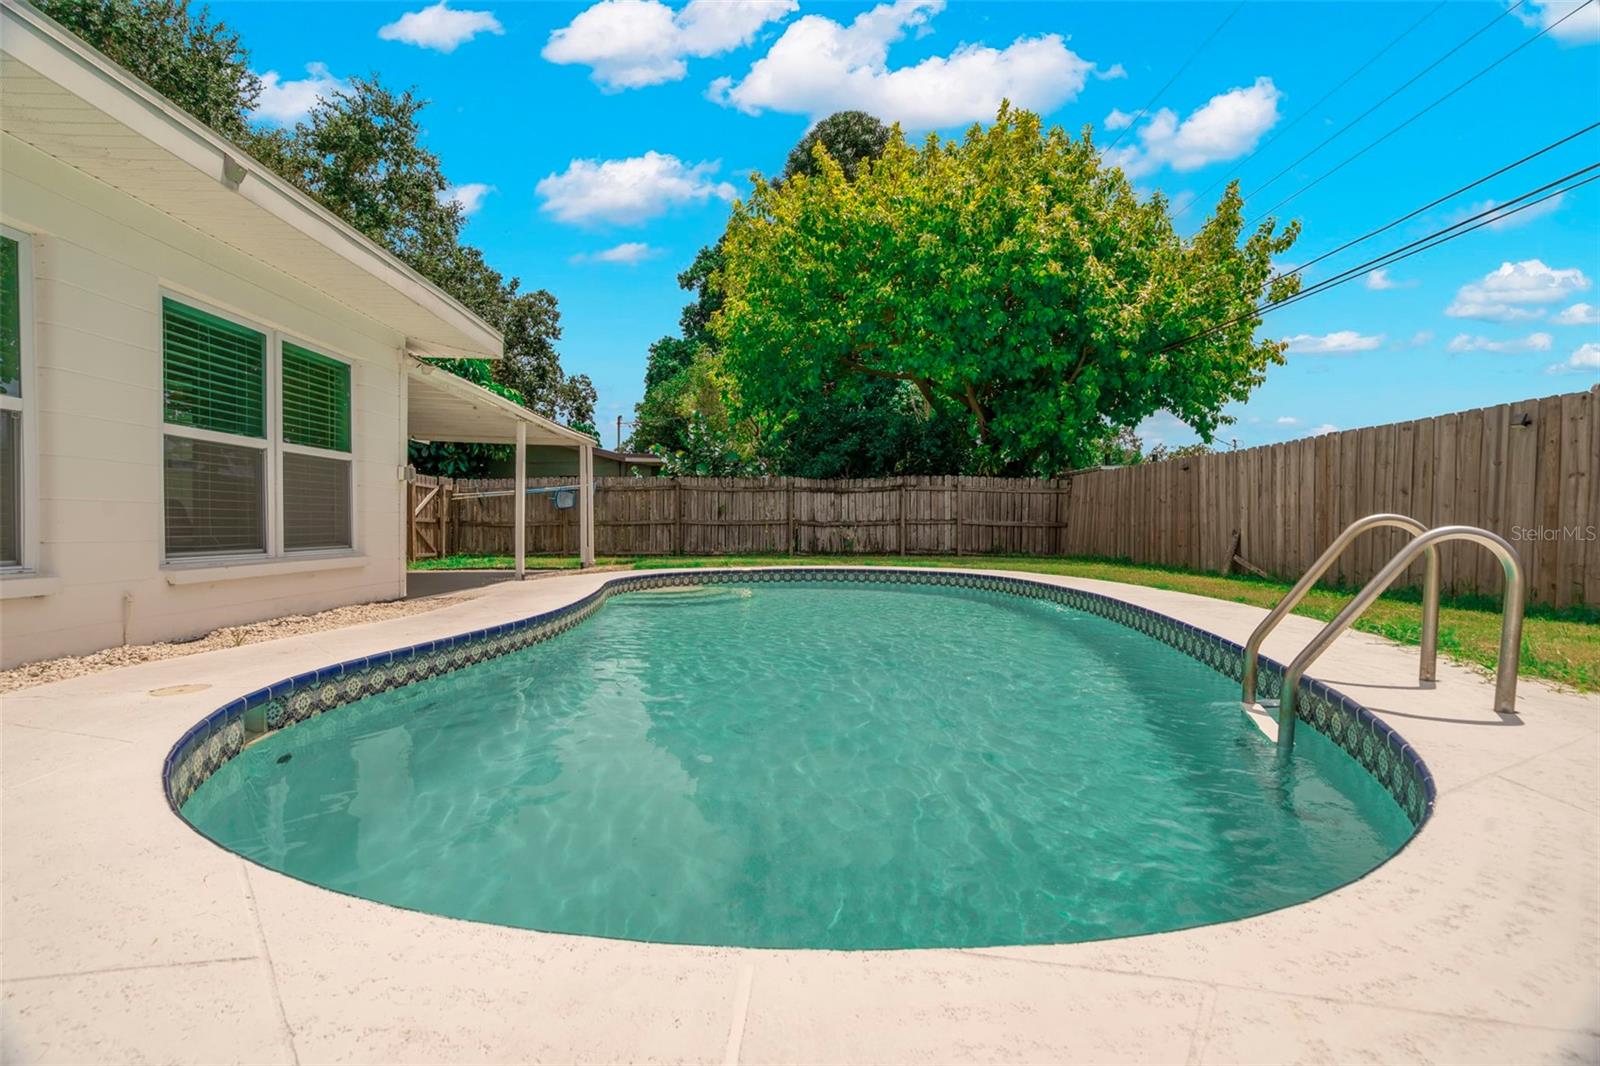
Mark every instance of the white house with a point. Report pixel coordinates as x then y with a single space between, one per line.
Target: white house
207 381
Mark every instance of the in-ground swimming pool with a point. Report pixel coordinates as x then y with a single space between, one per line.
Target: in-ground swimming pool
812 765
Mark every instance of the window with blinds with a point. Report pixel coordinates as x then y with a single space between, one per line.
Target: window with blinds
316 400
216 495
214 379
316 502
316 443
258 452
214 372
10 488
11 413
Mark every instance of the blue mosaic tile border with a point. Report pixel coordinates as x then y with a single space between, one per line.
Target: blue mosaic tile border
1381 751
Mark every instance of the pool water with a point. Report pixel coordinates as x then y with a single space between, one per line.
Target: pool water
812 766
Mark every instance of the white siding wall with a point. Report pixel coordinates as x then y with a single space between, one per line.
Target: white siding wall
100 262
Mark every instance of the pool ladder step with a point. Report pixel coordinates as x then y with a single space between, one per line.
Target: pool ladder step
1425 543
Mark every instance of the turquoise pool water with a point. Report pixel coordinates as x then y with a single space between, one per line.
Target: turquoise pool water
806 765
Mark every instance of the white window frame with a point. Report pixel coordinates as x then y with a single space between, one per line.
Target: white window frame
27 564
273 447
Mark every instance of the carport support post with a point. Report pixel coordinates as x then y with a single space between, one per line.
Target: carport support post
586 504
519 531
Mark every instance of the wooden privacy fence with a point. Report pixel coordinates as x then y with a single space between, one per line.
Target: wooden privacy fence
748 516
1529 471
428 533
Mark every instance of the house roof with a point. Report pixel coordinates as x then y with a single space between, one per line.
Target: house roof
441 406
69 101
629 458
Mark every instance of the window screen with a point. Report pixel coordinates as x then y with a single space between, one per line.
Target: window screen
316 502
10 488
215 498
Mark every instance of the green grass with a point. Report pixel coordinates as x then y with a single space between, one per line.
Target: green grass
1560 645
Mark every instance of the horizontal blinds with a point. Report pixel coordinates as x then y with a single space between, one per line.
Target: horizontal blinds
216 498
10 488
316 502
10 318
214 372
316 399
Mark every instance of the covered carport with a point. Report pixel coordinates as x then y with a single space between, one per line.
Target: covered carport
440 406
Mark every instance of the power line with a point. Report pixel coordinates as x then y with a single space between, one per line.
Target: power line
1336 134
1488 217
1186 63
1351 159
1447 196
1379 54
1498 211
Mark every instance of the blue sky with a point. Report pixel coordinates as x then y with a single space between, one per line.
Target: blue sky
599 146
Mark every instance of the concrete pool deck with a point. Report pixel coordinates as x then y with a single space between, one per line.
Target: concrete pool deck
125 936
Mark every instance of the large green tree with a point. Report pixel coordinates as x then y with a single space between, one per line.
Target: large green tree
184 55
846 427
1018 283
849 138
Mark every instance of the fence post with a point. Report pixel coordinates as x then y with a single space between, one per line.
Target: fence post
902 516
411 521
447 487
677 516
788 506
956 510
1063 494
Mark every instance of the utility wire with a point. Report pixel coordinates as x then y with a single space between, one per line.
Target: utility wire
1186 63
1379 54
1498 212
1447 196
1351 159
1336 134
1487 217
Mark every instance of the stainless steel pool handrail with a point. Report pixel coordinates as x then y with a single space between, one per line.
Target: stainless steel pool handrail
1505 678
1426 671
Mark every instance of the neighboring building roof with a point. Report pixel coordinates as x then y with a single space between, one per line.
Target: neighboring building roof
71 102
629 458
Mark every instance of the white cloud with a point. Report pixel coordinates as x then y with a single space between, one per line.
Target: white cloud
1225 127
628 191
1118 119
1380 281
1503 294
1533 342
1585 360
441 28
1523 216
1111 73
287 102
820 66
469 196
1578 315
1288 420
1581 28
1323 430
1337 343
1421 337
630 253
629 44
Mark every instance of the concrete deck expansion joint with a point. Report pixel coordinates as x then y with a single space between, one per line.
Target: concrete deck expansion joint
128 937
